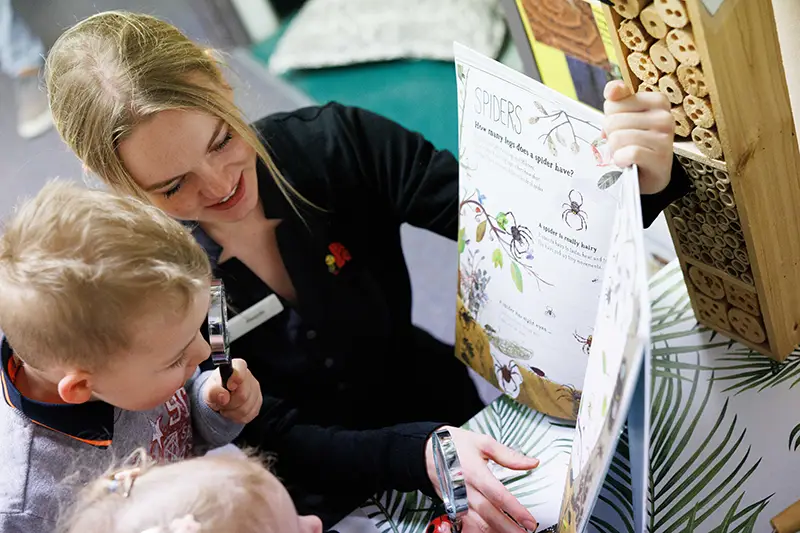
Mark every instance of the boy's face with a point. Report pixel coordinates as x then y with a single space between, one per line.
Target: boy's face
165 351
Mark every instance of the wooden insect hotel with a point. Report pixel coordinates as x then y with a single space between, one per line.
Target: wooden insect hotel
737 234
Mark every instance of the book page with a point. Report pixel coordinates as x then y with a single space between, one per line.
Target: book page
615 361
537 205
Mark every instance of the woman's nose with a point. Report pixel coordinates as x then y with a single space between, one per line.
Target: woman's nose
214 184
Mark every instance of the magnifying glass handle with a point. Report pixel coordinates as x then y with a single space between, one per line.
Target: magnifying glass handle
225 372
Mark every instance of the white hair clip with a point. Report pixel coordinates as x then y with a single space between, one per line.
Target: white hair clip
187 524
122 481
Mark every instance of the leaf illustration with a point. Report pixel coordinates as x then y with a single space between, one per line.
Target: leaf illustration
794 438
497 258
574 147
533 120
608 179
753 371
699 457
502 221
461 242
516 275
559 138
480 232
617 491
460 70
540 107
551 145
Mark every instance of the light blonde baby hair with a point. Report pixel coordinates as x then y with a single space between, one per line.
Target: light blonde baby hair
79 266
115 69
225 493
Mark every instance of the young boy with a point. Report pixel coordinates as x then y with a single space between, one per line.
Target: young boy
101 301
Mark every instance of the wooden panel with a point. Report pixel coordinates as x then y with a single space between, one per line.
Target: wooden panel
743 63
739 225
567 26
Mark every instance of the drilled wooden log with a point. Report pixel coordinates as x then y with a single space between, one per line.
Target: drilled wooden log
699 110
653 23
643 68
632 35
683 126
668 84
672 12
692 80
680 43
707 142
663 58
629 8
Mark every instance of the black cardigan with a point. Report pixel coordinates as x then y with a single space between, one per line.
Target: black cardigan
352 389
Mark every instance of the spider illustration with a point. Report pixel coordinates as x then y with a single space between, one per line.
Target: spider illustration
507 373
521 237
549 312
574 208
586 341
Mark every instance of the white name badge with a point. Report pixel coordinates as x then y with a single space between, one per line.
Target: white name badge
254 316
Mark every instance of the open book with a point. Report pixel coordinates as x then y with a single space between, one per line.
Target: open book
552 302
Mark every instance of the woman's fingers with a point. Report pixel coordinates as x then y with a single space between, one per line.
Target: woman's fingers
500 499
474 523
495 518
505 456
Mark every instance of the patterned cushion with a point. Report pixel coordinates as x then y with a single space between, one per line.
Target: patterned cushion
328 33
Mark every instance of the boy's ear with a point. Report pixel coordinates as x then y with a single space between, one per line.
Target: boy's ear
75 387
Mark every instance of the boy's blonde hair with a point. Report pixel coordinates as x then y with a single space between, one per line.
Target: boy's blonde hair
115 69
229 492
78 267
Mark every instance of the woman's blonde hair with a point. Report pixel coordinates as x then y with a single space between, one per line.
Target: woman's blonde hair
77 266
115 69
231 491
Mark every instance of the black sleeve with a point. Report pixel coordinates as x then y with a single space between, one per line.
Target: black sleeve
329 458
418 183
653 204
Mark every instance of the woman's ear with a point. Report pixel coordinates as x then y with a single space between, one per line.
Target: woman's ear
75 387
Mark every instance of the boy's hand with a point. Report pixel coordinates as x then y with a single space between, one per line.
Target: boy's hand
640 130
243 402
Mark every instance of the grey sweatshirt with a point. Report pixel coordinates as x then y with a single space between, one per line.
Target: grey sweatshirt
49 451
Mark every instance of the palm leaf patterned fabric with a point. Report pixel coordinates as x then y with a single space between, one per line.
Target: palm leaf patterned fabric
725 438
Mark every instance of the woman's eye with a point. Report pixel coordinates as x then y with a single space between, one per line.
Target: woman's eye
173 190
224 142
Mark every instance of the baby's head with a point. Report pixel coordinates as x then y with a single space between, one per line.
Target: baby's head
223 493
102 297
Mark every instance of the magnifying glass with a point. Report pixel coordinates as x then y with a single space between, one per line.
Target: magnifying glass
218 336
451 482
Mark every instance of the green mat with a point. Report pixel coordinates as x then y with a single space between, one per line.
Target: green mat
420 95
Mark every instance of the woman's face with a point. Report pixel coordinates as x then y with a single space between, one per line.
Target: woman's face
193 166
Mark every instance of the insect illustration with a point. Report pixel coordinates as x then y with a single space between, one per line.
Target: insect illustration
608 296
586 341
521 237
548 311
539 372
573 208
509 378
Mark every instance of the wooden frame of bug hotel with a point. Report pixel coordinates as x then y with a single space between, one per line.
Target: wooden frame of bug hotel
737 234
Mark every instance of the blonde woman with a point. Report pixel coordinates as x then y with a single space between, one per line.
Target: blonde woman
307 206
